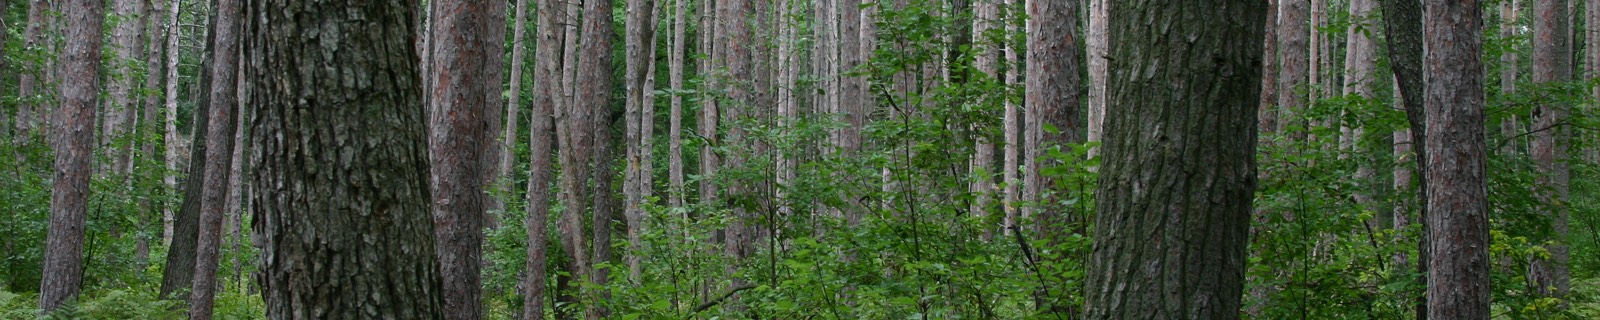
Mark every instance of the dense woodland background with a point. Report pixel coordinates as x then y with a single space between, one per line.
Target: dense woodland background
840 159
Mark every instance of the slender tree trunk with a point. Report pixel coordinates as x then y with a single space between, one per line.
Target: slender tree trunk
1194 193
1268 120
1508 73
5 117
680 26
369 128
122 87
1012 120
219 146
1591 48
594 88
1458 233
464 43
547 99
1099 45
30 82
1552 63
171 138
74 145
507 150
987 17
1295 58
1360 72
640 33
605 209
709 76
1402 20
177 278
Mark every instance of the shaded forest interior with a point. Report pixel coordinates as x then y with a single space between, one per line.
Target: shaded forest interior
798 159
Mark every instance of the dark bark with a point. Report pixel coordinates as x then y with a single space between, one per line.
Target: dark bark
1402 21
177 278
341 197
463 44
1458 225
1180 172
73 139
219 147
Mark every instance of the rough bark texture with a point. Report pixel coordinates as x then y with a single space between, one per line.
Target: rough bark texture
1402 25
1176 187
1552 63
1052 99
465 38
1508 73
735 50
1011 191
177 278
127 39
1458 225
73 139
219 147
1099 44
342 201
1295 58
541 148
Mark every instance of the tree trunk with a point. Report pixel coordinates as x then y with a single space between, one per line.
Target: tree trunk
33 76
1052 100
74 149
1012 120
680 26
1360 72
547 99
1268 121
1099 45
1193 194
178 276
465 41
1402 21
219 147
591 111
605 209
171 138
120 111
1458 225
986 17
1552 63
1591 50
640 33
507 151
1292 48
344 167
1508 73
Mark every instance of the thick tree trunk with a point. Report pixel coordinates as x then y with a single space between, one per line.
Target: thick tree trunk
1180 165
1052 100
465 41
1458 225
219 147
1295 58
342 168
122 87
1552 63
541 148
1099 45
73 140
177 278
735 49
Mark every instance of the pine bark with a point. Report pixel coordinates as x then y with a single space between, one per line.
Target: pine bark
342 161
1402 24
73 139
1180 164
33 75
177 278
122 87
1011 192
640 33
171 138
1360 72
547 99
680 26
1295 58
1552 63
1052 100
219 146
1268 122
465 42
986 17
1458 225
